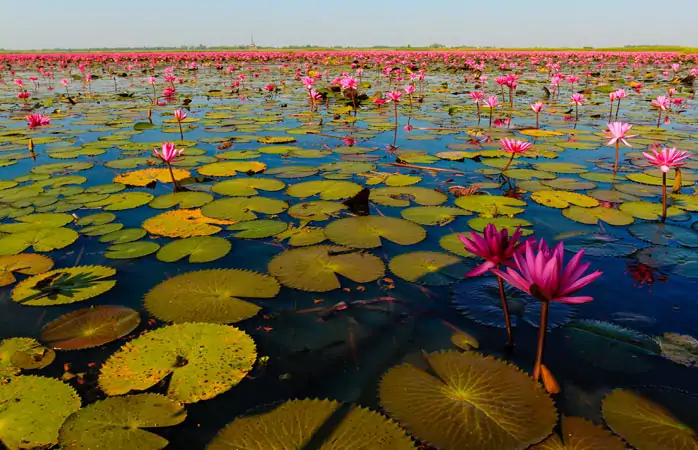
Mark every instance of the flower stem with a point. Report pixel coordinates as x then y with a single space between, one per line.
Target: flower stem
174 181
541 339
505 308
663 197
181 134
508 164
537 126
659 119
615 167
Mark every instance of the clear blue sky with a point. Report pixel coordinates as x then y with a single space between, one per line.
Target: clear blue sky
37 24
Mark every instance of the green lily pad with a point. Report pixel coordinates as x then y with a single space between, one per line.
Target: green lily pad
123 236
64 286
433 215
40 240
327 189
184 200
200 249
131 250
592 216
367 231
652 211
100 230
664 234
292 171
315 211
258 229
247 187
501 222
96 219
430 268
563 199
490 205
122 201
243 208
403 196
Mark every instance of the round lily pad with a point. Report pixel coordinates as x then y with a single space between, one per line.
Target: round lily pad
327 189
17 354
183 223
257 229
90 327
131 250
63 286
199 249
433 215
664 234
26 264
238 209
430 268
490 205
592 216
202 360
123 235
40 240
247 187
315 211
184 200
367 231
403 196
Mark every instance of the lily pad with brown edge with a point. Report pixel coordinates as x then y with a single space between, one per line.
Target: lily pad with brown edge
664 234
580 434
34 408
433 215
183 200
40 240
464 341
537 132
238 209
429 268
490 205
681 261
182 223
652 211
276 140
402 196
646 424
611 347
326 189
202 360
292 171
26 264
452 244
297 422
247 187
478 300
119 423
131 250
563 199
217 295
145 177
316 211
368 231
21 353
122 201
90 327
257 229
199 249
239 154
592 216
467 404
123 235
679 348
231 168
64 286
315 269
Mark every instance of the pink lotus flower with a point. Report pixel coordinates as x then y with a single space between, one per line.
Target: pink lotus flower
308 82
152 80
537 107
37 120
496 247
180 115
620 94
542 273
19 83
477 96
379 101
618 131
168 152
515 146
24 95
577 99
661 102
666 159
348 83
65 82
394 96
169 92
270 87
491 102
612 96
409 89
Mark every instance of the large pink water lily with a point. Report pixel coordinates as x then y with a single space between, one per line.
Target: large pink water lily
618 131
542 272
168 152
666 159
495 246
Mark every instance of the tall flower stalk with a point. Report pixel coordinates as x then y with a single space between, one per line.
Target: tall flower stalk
542 273
180 115
394 96
667 159
491 103
477 97
661 103
168 154
537 107
498 249
617 132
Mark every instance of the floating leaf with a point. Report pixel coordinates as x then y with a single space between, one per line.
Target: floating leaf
643 178
34 408
124 235
181 223
131 250
200 249
327 189
17 354
579 434
146 176
247 187
243 208
367 231
216 293
122 201
599 245
26 264
430 268
202 360
90 327
563 199
682 261
560 167
292 171
664 234
464 341
296 422
231 168
511 224
96 219
63 286
117 423
315 269
258 229
100 230
276 139
592 216
645 424
433 215
451 243
184 200
679 348
468 406
652 211
490 205
41 240
315 211
402 196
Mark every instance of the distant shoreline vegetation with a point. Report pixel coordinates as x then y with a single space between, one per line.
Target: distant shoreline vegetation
432 47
